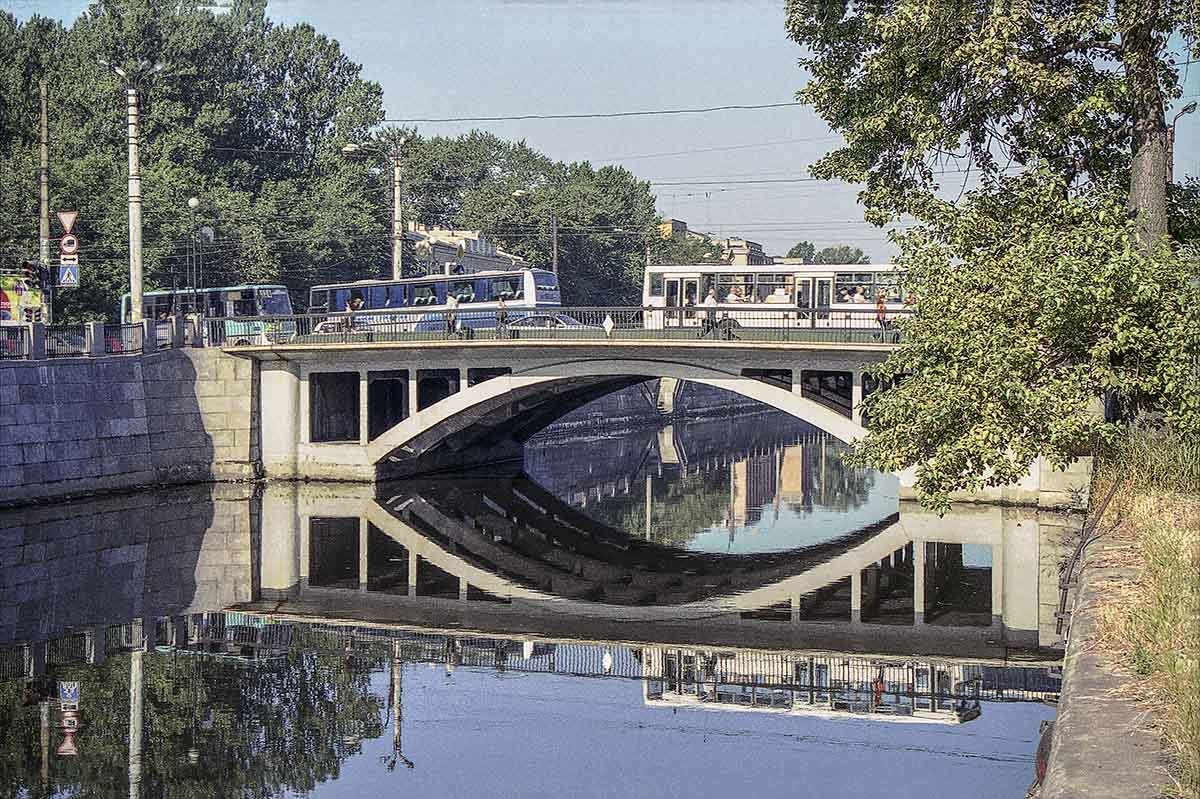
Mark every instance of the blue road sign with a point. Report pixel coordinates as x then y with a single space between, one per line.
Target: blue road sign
68 276
68 692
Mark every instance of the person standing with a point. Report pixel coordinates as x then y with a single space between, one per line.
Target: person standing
451 313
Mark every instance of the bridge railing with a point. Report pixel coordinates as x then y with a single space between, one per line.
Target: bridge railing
694 323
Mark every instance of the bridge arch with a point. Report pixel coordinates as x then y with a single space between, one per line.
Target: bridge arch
567 384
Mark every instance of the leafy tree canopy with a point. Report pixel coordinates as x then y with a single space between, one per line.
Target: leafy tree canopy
918 89
1050 285
841 254
251 117
1031 307
804 250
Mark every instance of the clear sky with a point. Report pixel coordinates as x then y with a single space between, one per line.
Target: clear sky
459 58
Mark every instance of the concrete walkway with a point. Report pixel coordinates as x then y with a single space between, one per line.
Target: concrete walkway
1102 745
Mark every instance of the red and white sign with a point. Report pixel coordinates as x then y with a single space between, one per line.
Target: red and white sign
67 220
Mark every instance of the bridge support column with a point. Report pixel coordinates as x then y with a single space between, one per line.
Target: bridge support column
279 567
363 538
412 391
856 587
364 417
412 573
918 582
997 584
856 396
281 423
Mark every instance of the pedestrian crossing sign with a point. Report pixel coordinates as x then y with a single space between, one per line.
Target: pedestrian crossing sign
68 276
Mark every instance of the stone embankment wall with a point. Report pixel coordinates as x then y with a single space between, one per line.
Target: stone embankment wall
68 565
75 426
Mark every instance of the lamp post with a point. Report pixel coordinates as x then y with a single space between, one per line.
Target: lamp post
135 179
193 265
353 150
1190 108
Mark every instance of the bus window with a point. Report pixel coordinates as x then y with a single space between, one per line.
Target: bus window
318 300
463 290
216 304
427 294
273 302
245 306
656 285
385 297
546 287
506 288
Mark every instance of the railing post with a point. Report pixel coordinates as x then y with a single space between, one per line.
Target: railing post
95 339
37 341
149 335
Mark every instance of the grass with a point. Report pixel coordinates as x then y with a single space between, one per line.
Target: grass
1155 625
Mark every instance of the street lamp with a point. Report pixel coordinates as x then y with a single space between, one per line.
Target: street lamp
129 76
353 150
193 265
1190 108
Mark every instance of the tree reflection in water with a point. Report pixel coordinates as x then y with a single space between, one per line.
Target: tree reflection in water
213 725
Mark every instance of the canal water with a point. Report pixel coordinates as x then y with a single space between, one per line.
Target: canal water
717 606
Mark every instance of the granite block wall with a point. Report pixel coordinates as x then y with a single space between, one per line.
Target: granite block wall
109 560
77 426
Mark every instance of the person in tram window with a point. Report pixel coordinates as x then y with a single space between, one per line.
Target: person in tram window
735 295
859 298
778 296
881 314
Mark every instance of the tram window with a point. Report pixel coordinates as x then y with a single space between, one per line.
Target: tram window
216 305
506 288
656 285
385 297
672 293
463 290
244 307
425 294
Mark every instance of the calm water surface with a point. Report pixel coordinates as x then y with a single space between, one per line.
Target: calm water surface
709 608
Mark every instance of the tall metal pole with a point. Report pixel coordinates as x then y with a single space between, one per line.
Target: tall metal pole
135 209
554 239
44 180
397 220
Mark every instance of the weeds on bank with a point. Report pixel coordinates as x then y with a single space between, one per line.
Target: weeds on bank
1156 508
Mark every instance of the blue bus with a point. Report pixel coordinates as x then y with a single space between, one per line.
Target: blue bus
474 291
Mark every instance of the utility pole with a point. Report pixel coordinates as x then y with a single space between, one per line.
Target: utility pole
135 209
554 239
397 219
44 187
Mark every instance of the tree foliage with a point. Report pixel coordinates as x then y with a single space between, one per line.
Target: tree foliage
804 250
841 254
250 117
916 88
1031 308
1050 285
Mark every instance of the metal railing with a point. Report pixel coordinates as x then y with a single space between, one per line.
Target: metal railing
122 339
164 334
13 342
66 342
696 323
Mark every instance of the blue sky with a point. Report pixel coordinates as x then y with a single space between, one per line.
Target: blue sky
504 57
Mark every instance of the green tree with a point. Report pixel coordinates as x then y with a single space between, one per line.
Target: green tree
247 115
841 254
682 248
914 88
804 250
1049 286
1049 304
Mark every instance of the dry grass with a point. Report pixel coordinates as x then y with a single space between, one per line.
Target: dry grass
1154 624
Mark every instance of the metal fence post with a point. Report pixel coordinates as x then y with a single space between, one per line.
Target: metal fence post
95 339
149 335
37 341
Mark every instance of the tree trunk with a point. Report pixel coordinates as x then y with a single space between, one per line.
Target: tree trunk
1148 170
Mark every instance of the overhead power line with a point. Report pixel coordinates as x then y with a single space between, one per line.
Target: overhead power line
610 115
